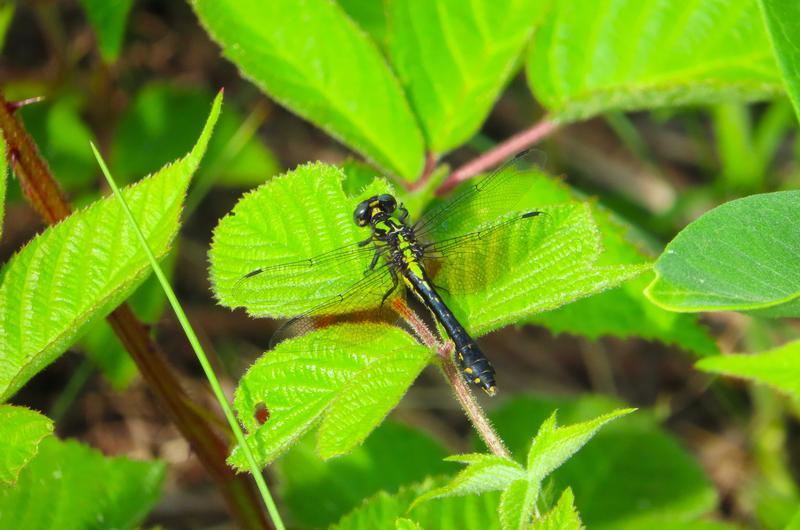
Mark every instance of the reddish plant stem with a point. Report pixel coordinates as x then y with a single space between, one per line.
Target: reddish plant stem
211 447
498 154
460 388
427 171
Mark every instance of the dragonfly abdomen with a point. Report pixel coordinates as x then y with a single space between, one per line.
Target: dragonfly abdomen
476 367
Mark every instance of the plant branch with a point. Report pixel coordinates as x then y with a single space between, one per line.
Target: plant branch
43 192
460 388
427 171
498 154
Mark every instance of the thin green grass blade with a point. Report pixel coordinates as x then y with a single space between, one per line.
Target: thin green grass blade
198 349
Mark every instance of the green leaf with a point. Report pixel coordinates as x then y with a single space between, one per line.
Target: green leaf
621 461
394 455
591 57
551 447
346 378
516 505
455 57
794 524
21 430
740 256
623 311
347 89
383 510
484 472
102 345
165 117
554 445
108 17
3 172
778 368
63 139
76 272
542 266
72 487
563 516
781 18
371 16
295 216
406 524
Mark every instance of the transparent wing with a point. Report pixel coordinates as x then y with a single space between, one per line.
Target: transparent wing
471 262
323 275
358 301
489 198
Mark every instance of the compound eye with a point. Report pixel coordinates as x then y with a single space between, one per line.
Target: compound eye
361 213
388 202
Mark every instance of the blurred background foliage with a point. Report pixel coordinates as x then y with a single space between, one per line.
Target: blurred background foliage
137 78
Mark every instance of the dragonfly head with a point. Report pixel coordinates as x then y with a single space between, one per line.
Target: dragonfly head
374 209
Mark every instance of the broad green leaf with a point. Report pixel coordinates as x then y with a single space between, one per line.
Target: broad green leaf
3 171
394 455
102 345
76 272
371 16
484 472
463 513
551 447
165 117
740 256
454 58
72 487
406 524
21 431
63 139
554 445
540 265
778 368
516 505
781 18
347 89
624 311
543 265
108 17
594 56
563 516
345 378
794 524
621 461
293 217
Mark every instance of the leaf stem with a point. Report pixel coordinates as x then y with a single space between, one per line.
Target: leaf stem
460 388
198 350
427 171
42 191
498 154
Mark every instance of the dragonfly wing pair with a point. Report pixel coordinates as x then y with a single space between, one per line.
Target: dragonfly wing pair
454 236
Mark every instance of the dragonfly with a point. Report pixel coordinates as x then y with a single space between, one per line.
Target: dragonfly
402 255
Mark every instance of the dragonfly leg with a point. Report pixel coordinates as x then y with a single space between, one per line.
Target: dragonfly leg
395 283
403 214
374 262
